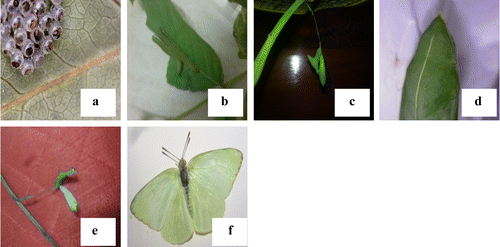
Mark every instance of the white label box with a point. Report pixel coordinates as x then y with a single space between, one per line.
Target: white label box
225 102
229 231
98 103
479 102
352 102
98 231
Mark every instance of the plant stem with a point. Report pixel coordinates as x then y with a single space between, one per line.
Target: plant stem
271 38
236 79
183 115
45 234
315 23
228 85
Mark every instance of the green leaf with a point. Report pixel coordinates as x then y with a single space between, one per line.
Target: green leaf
185 47
86 56
280 6
240 2
318 63
240 33
431 88
261 58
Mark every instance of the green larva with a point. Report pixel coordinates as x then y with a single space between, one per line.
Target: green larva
174 51
62 176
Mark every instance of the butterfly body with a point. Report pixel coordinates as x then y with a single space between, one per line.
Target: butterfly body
179 202
183 172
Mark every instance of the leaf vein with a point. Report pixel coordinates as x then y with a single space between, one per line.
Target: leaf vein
12 86
65 77
420 77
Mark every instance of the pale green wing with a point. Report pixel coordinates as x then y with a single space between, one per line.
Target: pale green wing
211 178
70 199
162 205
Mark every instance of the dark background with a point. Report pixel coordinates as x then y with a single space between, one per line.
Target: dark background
347 43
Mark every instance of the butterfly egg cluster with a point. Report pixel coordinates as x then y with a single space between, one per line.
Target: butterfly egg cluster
28 30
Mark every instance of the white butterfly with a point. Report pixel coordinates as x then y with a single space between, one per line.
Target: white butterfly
179 202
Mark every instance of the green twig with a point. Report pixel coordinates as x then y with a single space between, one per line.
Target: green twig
183 115
45 234
318 61
315 23
60 179
228 85
236 79
271 38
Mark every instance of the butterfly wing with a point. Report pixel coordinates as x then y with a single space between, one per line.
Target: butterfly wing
211 178
161 204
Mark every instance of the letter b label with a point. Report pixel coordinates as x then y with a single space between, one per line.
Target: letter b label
225 102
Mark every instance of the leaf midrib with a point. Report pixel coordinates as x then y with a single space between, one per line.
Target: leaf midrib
420 77
65 77
174 51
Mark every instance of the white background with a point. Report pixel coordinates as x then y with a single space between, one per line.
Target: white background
230 231
225 102
488 101
360 106
106 102
351 183
374 184
105 235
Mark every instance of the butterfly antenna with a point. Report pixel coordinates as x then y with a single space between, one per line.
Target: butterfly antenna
170 155
186 145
